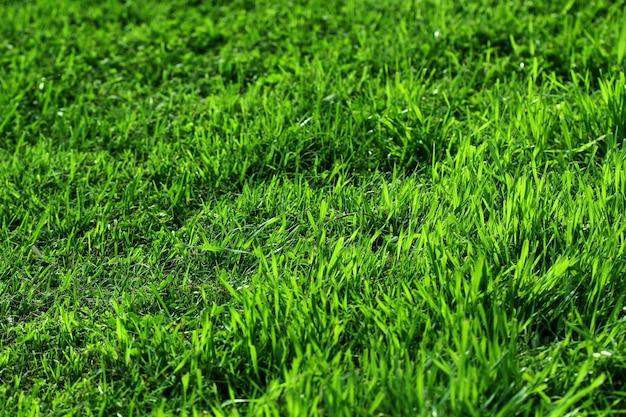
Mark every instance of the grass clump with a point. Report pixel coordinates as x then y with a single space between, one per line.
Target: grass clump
312 208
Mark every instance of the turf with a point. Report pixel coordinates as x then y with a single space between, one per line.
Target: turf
314 207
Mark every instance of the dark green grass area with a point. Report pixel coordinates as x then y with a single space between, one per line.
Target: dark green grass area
312 208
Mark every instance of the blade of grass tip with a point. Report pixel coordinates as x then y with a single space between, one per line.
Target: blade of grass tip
232 291
156 293
46 258
208 246
621 43
336 253
37 252
234 401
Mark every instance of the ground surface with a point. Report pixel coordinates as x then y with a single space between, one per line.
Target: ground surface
312 207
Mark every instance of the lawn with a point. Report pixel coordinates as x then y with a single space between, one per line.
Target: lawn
289 207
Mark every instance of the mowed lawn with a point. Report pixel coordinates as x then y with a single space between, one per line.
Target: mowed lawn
291 208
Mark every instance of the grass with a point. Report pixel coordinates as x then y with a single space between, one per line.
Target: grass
312 208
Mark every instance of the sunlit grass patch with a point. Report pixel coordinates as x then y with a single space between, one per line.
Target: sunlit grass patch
312 208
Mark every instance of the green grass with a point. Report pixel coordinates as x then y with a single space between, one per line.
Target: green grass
312 208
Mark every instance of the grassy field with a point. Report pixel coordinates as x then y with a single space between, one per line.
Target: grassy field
339 208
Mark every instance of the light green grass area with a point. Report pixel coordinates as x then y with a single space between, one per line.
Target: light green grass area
323 207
